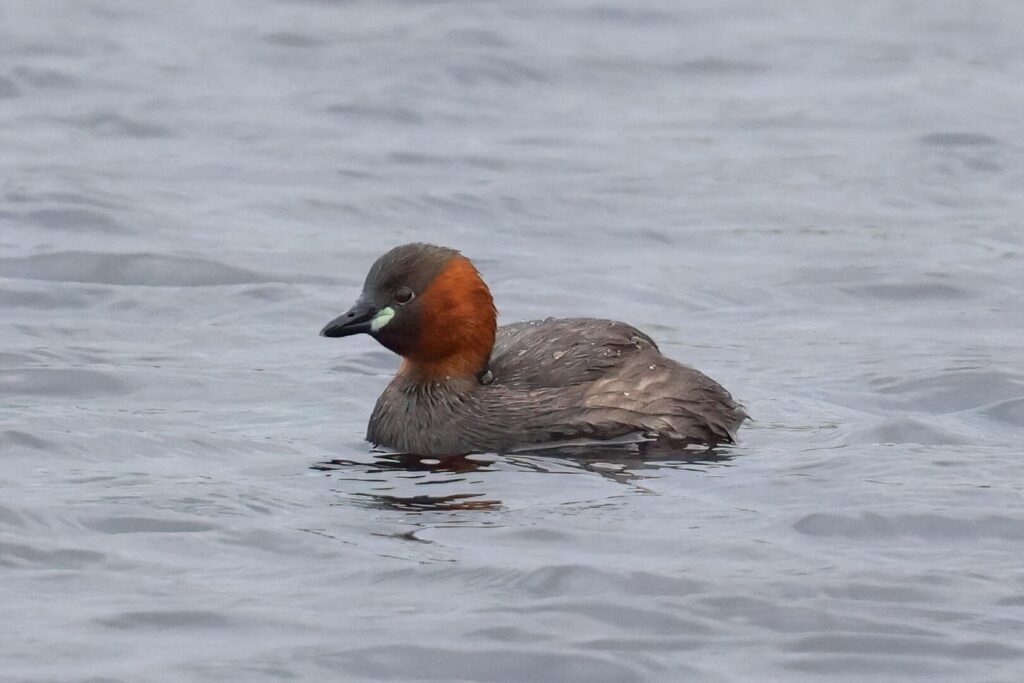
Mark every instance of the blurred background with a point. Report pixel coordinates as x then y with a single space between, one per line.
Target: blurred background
817 204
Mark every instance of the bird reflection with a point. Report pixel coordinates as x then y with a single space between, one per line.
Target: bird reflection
456 501
408 462
422 470
627 464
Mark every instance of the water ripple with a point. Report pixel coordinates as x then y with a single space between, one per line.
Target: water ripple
151 270
62 382
926 526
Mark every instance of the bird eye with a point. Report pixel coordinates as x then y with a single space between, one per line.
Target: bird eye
402 295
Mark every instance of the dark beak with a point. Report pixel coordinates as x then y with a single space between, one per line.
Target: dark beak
355 321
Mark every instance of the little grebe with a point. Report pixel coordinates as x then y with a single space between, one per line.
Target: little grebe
468 386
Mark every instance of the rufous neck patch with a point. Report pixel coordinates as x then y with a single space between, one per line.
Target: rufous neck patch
458 324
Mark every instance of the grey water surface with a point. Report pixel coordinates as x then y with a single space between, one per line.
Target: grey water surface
818 204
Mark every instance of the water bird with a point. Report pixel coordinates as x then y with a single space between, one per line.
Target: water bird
467 385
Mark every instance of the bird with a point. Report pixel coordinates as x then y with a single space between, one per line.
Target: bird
467 386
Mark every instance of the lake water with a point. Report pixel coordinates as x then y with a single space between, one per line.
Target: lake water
818 204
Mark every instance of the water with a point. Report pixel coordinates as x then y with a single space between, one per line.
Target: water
820 206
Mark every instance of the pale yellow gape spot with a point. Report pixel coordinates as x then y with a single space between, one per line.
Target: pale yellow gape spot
382 318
